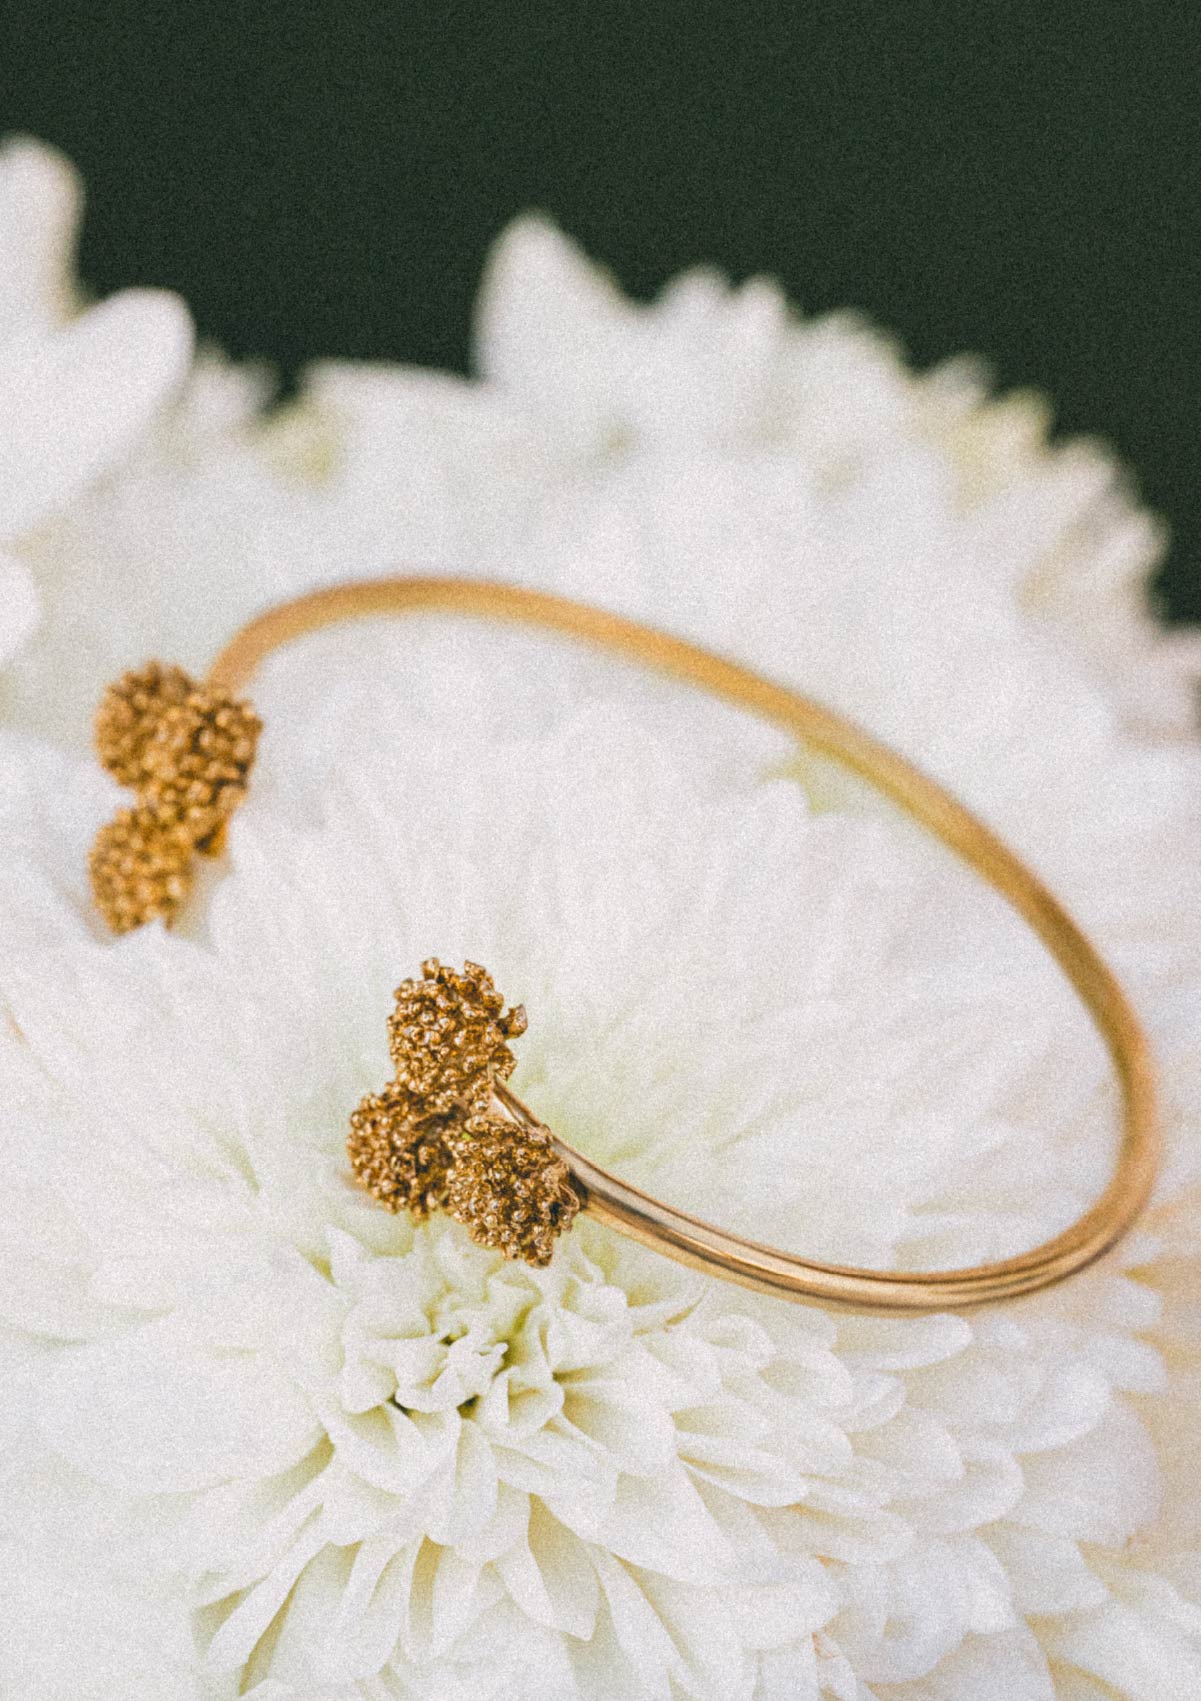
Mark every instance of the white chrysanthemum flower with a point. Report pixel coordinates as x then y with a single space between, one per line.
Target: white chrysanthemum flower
368 1452
262 1438
712 373
76 392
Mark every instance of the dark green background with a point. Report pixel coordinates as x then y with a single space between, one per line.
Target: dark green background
1015 178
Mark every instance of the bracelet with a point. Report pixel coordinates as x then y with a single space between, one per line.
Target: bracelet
448 1132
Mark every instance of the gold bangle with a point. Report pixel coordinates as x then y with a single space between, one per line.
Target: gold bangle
231 727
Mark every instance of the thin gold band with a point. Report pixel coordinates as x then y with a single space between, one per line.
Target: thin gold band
673 1232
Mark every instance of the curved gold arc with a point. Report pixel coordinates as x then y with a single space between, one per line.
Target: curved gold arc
673 1232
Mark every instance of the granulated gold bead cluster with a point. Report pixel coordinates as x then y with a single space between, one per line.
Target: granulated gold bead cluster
435 1137
186 750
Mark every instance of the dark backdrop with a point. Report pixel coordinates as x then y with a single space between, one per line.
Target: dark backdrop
1013 177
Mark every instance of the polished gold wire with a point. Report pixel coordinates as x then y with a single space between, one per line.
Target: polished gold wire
648 1220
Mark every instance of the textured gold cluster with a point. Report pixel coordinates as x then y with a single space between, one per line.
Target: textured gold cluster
511 1188
140 867
401 1159
449 1035
187 750
433 1137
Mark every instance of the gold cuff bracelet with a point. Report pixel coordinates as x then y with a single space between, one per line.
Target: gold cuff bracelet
447 1132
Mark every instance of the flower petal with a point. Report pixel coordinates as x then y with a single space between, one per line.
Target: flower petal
163 1419
75 401
20 606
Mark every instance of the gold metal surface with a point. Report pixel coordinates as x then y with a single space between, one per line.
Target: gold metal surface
433 1138
187 751
673 1232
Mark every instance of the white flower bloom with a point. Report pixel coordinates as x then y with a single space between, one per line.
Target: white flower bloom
76 394
708 372
371 1452
261 1438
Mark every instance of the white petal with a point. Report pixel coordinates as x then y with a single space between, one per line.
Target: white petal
20 606
1082 1492
551 1576
1048 1572
238 1636
662 1524
1006 1667
152 1417
74 402
549 328
39 209
1144 1649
